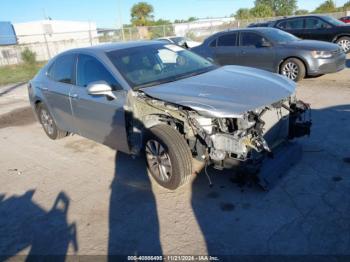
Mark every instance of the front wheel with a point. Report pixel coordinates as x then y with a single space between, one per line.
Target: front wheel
293 69
344 43
168 157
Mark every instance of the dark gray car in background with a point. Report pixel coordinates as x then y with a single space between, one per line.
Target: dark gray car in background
273 50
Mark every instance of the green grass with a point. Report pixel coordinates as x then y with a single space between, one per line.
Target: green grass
18 73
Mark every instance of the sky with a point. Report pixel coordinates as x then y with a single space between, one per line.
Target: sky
109 13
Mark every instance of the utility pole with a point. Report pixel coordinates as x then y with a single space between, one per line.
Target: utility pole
120 18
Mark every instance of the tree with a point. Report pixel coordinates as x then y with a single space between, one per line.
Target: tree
280 7
301 12
327 6
141 14
262 11
346 6
243 13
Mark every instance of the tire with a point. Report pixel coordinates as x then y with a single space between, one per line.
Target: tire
344 43
48 123
168 157
294 69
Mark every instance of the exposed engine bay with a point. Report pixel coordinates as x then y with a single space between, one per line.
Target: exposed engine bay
223 142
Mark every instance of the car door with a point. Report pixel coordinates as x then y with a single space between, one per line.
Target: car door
317 29
224 49
56 90
256 51
293 26
99 118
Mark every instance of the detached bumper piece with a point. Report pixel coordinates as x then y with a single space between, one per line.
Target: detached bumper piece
299 120
272 169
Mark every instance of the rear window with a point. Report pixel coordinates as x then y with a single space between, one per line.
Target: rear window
62 69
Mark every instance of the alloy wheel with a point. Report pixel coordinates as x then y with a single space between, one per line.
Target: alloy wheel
345 45
158 160
47 121
290 70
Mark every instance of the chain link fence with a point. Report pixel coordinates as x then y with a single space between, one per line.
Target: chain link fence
46 46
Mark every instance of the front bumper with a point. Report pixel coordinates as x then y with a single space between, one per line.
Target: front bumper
272 169
326 65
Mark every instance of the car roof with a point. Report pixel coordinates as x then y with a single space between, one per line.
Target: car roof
253 29
300 16
105 48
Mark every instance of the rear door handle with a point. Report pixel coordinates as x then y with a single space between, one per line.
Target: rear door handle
44 89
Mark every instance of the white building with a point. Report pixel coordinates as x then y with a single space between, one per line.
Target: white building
202 27
54 30
47 38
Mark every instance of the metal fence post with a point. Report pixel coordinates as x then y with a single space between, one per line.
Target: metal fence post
164 34
123 35
47 46
90 36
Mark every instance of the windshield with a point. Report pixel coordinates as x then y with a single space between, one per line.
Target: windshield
279 36
156 64
179 39
333 21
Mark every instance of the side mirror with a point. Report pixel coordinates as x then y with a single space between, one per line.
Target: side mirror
99 88
210 59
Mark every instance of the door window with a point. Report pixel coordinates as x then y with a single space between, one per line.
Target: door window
62 69
91 70
252 40
213 43
315 23
291 24
227 40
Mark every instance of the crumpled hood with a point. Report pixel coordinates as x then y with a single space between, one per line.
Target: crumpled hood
229 91
313 45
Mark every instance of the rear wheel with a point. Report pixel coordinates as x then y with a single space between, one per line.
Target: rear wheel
344 43
168 157
49 124
294 69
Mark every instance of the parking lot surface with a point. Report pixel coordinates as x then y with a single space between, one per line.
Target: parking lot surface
73 196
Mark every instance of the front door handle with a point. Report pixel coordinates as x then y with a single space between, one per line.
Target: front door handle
44 89
74 96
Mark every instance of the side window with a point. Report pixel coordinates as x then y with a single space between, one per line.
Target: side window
315 23
251 39
282 25
291 24
227 40
213 43
62 70
91 70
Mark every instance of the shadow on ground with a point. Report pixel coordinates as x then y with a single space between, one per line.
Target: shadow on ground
133 220
24 224
307 213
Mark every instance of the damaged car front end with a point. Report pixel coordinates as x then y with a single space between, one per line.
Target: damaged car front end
231 124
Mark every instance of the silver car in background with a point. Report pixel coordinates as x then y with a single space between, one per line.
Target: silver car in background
169 103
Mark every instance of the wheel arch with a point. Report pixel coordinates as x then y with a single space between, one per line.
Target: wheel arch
296 57
335 39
